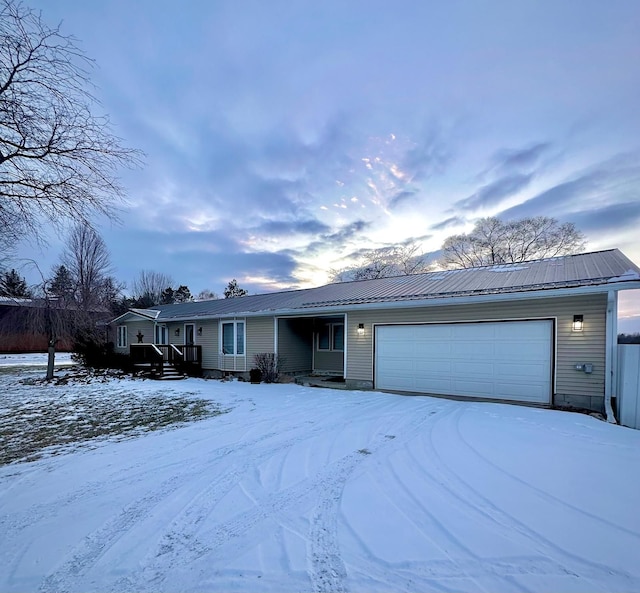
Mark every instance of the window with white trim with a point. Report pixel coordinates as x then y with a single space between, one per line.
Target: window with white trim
233 338
331 337
162 334
121 340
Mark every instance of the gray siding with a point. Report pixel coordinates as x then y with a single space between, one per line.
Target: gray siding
295 341
209 340
571 348
260 337
326 360
133 327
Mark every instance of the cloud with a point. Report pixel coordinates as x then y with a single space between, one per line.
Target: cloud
338 239
520 159
448 222
401 197
614 180
289 227
200 260
429 156
613 217
347 232
494 192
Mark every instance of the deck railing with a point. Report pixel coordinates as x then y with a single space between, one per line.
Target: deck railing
187 359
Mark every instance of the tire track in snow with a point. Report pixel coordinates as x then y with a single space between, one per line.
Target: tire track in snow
504 570
542 493
407 503
471 500
183 546
327 570
180 543
89 551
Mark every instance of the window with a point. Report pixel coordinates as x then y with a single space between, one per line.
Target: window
337 343
233 338
331 337
162 335
122 336
324 337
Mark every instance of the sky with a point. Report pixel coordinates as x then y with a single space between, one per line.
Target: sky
281 138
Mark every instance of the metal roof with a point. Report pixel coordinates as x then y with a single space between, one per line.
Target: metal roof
571 271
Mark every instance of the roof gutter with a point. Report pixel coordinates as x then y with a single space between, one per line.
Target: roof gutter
411 303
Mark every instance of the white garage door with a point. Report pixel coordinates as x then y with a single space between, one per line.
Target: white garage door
508 360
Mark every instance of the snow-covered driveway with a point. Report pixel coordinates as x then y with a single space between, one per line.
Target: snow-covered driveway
306 489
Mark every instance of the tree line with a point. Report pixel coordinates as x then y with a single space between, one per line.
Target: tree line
83 280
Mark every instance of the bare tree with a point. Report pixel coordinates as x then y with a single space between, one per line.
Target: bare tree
395 260
148 287
493 241
57 158
87 258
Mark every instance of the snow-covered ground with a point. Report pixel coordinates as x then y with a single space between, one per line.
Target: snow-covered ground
308 489
34 360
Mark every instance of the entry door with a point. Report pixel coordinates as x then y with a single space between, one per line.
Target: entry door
189 334
508 360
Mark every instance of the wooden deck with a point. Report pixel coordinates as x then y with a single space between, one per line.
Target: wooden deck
167 360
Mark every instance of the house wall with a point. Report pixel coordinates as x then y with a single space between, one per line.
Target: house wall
574 388
295 342
260 338
328 360
210 342
133 327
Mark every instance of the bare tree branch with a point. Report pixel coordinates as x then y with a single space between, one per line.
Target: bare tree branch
493 241
148 286
58 159
396 260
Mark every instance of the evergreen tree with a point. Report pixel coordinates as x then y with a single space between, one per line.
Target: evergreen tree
62 284
233 290
13 285
167 297
182 294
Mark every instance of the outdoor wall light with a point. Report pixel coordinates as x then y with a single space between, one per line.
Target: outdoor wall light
578 323
199 331
361 329
177 331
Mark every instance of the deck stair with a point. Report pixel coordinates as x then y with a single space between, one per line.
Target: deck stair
170 373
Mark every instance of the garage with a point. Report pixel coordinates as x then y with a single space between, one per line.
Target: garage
504 360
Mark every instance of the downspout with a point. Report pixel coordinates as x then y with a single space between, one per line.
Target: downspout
611 354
